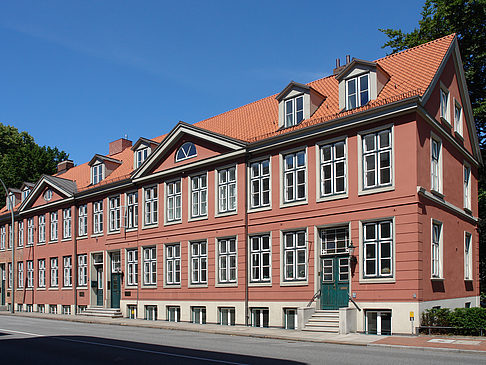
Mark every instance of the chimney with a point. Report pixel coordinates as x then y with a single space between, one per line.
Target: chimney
63 166
119 145
348 59
338 62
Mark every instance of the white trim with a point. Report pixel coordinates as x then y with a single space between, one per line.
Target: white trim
440 166
294 282
216 190
468 260
259 283
189 198
156 223
447 117
248 167
440 269
216 262
166 206
282 191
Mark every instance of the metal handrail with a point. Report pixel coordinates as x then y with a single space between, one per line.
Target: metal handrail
352 301
316 295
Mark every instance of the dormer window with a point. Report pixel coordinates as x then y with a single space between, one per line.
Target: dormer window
294 111
141 155
187 150
25 194
357 92
10 201
97 173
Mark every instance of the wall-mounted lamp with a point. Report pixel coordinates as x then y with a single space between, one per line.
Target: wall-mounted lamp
352 257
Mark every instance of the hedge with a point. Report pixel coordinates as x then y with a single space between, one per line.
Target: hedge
464 320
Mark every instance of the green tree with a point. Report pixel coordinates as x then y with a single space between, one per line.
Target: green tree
21 159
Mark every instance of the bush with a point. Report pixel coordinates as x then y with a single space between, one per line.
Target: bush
466 321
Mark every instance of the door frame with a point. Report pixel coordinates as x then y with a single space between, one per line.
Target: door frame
336 282
94 275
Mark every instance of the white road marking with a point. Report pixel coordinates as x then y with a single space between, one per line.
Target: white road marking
22 333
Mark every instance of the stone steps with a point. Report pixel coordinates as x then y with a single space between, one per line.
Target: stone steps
323 321
102 312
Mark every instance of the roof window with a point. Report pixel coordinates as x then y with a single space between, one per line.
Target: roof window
357 91
187 150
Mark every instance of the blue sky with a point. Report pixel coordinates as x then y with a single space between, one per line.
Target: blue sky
79 74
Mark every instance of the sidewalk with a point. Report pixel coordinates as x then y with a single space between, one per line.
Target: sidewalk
434 343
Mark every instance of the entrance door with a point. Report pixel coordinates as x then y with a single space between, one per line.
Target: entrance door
335 282
99 289
2 284
115 290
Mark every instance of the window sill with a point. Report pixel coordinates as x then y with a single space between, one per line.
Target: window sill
96 235
327 198
81 238
67 288
51 242
149 226
293 203
195 219
468 280
256 284
226 285
226 214
55 288
436 279
172 286
147 286
459 136
132 229
259 209
195 286
131 287
444 120
171 223
41 289
41 243
376 190
82 287
110 233
468 211
437 193
377 280
67 239
295 283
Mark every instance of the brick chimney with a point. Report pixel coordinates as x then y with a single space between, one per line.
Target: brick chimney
119 145
63 166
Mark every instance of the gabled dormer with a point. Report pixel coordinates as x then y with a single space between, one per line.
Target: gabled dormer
141 150
102 167
13 198
359 83
26 188
296 103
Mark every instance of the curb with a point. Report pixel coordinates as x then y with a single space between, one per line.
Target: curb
423 348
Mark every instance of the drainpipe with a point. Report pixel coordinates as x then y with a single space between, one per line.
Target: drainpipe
74 231
12 227
246 241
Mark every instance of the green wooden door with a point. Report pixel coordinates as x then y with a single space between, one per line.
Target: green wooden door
2 285
115 290
335 282
99 289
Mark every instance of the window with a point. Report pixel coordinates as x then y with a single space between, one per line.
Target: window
48 195
436 249
436 165
83 270
132 210
333 168
83 220
259 317
98 217
260 258
199 196
295 256
377 159
227 190
444 104
458 118
141 156
132 267
25 194
357 92
198 315
378 249
114 213
29 308
227 316
3 236
52 308
378 322
41 308
132 311
173 314
149 266
30 231
199 257
294 111
66 309
53 230
173 264
290 318
54 273
227 260
467 187
260 184
334 240
21 234
10 236
10 277
41 264
67 277
20 267
150 205
42 228
294 176
66 223
187 150
97 173
151 312
468 257
30 274
174 201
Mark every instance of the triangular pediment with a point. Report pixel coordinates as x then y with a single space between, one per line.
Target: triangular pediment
47 190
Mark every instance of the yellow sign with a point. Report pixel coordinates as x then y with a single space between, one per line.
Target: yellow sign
412 314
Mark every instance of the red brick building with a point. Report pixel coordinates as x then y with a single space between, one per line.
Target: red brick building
358 190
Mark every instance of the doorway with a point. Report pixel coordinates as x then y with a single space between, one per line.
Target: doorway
2 284
97 284
115 289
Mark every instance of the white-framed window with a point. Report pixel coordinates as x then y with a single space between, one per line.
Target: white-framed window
294 176
227 260
66 309
149 266
227 316
294 111
357 91
54 225
173 264
25 194
66 223
42 228
30 274
333 168
98 217
30 231
132 311
20 267
378 322
227 190
199 262
198 315
83 220
67 271
377 159
97 173
132 267
173 313
295 256
187 150
52 308
132 210
114 213
290 318
54 272
260 254
151 312
444 104
48 195
41 265
259 317
3 237
468 274
10 277
174 201
260 184
10 236
21 234
436 253
458 118
150 205
334 240
199 196
83 270
141 155
467 187
436 165
378 249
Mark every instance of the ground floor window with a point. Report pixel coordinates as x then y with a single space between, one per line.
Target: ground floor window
29 308
151 312
198 315
81 308
173 314
378 322
20 307
53 308
66 309
227 316
41 308
259 317
132 311
290 318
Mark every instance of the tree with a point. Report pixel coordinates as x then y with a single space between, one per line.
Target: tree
21 159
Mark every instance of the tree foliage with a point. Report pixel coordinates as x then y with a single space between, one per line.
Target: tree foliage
21 159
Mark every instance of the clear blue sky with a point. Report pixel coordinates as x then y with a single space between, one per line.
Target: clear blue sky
79 74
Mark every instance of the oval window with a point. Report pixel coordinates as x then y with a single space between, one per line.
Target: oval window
48 195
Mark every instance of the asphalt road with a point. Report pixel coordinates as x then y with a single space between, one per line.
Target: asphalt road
40 341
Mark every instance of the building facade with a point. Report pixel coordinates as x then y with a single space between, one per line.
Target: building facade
356 192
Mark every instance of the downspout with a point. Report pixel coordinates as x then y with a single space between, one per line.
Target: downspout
246 242
74 233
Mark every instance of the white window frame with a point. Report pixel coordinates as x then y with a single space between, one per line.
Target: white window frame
256 256
42 228
227 264
54 272
444 104
287 324
468 255
467 186
21 234
198 196
291 118
291 248
294 172
132 267
173 313
67 270
378 243
149 266
333 164
83 220
131 213
20 269
226 192
98 217
30 231
141 155
436 171
83 270
150 205
259 180
3 237
458 118
30 273
198 259
173 200
227 316
97 173
53 231
66 223
10 277
41 265
436 249
376 186
198 315
114 213
260 317
357 95
172 264
186 152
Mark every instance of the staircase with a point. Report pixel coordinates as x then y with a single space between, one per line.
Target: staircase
102 312
323 321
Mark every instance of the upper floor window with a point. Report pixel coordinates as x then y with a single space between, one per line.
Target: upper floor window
173 264
42 228
187 150
357 91
149 266
21 234
294 176
132 267
42 272
294 111
260 184
199 196
83 220
48 195
10 201
295 256
54 225
30 231
199 257
333 168
227 190
141 155
67 271
468 257
97 172
132 210
66 225
260 253
30 274
98 217
150 205
174 201
377 159
114 213
467 187
436 165
378 249
227 260
25 194
436 256
3 237
458 118
444 103
83 270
